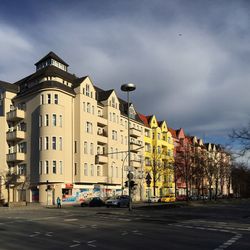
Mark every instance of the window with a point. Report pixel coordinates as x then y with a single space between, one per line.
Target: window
111 170
91 148
54 167
83 91
54 120
117 173
98 170
92 170
53 142
89 127
121 122
159 136
88 108
48 98
21 170
56 98
46 167
126 140
40 143
40 167
61 167
41 99
85 147
60 143
40 121
84 106
85 169
126 124
121 139
111 152
46 120
114 135
87 90
113 102
93 110
75 146
60 120
46 144
75 168
114 120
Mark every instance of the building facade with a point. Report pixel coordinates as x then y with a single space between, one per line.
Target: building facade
159 156
63 136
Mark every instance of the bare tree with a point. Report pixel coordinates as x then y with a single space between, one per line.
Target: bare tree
159 166
242 136
184 165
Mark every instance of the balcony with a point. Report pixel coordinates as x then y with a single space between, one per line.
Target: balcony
135 164
134 148
101 122
15 115
15 157
135 142
16 135
102 159
102 138
135 133
21 179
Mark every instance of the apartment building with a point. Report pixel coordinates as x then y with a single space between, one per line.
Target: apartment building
159 156
62 136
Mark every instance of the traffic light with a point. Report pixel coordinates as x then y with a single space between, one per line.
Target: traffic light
132 184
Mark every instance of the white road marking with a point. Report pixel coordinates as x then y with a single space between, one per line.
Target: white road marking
67 220
229 242
34 234
75 245
49 234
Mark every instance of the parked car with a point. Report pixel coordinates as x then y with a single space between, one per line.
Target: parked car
119 201
193 197
168 198
181 198
93 202
153 199
203 197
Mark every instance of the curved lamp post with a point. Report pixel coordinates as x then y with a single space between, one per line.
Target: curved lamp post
129 87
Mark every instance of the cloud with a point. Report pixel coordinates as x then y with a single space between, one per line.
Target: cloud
189 61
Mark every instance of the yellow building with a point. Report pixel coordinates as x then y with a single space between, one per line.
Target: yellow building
159 157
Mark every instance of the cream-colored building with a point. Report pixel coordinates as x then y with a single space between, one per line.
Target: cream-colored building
61 136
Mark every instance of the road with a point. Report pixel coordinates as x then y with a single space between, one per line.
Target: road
201 227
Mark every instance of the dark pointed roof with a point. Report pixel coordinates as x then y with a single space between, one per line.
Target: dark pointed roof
9 86
78 81
102 95
52 55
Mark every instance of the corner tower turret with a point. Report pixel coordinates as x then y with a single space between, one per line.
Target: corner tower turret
51 59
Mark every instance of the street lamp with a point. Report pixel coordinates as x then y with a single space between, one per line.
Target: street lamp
129 87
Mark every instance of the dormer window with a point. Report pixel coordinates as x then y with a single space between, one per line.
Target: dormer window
87 90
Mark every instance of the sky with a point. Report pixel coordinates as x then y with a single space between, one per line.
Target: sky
189 59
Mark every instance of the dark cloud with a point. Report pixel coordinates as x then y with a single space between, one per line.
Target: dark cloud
189 59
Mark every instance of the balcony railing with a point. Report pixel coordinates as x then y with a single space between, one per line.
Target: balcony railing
15 115
135 163
134 132
102 122
16 135
102 159
15 157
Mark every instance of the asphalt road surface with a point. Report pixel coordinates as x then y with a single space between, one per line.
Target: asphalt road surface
201 227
